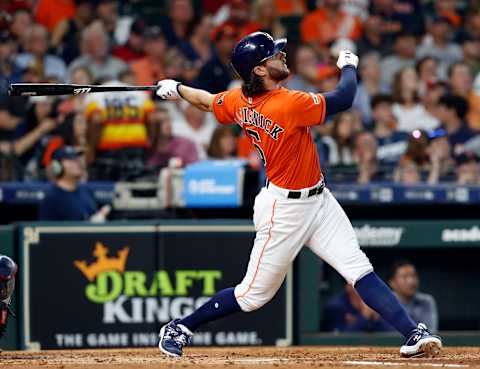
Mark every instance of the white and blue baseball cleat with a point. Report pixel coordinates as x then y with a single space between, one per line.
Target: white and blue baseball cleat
421 343
173 337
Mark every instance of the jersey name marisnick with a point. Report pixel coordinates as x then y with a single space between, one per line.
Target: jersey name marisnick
254 118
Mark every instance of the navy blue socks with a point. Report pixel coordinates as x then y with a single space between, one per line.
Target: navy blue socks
222 304
376 294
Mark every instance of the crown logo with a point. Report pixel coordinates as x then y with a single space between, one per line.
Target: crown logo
103 263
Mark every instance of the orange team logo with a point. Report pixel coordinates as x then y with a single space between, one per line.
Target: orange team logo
103 263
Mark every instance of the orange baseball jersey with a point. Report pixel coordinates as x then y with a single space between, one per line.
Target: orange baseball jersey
278 123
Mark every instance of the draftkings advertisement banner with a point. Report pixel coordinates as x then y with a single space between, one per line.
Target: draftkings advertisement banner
97 286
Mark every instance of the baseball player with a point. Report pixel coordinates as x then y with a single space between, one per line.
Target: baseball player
8 270
294 208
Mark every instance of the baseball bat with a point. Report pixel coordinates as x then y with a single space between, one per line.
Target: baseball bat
49 89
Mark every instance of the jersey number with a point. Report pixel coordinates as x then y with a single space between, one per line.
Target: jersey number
255 140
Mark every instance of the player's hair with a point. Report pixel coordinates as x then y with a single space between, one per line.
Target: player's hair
254 86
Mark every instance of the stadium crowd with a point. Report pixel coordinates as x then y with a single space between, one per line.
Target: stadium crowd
415 118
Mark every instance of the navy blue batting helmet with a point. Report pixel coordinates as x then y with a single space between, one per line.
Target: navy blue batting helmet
8 269
254 49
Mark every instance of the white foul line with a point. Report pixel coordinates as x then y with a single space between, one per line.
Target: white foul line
266 360
393 363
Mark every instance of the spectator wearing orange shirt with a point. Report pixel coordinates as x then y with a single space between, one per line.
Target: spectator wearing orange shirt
290 7
460 81
239 20
50 12
328 23
151 68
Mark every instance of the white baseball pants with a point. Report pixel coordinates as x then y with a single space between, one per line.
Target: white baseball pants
283 226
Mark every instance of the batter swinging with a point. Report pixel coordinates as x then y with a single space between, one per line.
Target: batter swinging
294 208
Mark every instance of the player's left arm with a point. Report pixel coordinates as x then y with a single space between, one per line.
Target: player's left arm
342 97
169 89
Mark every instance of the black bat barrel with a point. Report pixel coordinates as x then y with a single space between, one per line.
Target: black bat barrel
48 89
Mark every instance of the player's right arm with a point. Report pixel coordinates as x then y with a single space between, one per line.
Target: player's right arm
342 97
169 89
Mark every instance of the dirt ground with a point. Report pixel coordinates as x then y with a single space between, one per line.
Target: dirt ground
236 358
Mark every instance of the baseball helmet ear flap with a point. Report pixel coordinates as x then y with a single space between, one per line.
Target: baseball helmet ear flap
56 167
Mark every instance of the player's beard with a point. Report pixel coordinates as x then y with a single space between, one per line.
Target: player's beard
278 74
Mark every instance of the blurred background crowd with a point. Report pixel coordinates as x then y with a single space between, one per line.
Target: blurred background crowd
415 118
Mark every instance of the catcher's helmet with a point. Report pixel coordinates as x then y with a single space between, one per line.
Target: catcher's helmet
8 269
253 50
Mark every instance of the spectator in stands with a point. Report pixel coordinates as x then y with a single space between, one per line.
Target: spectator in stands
22 20
369 86
118 133
403 279
407 173
177 26
65 37
328 23
471 54
177 67
10 71
151 68
223 144
437 44
452 111
468 169
18 141
197 126
40 120
73 131
198 49
397 17
95 54
460 81
106 12
441 161
372 38
133 49
287 8
36 47
427 72
392 143
50 13
417 150
339 145
471 27
75 103
306 73
216 74
66 199
407 109
403 56
165 145
346 312
240 19
432 95
365 157
265 14
449 10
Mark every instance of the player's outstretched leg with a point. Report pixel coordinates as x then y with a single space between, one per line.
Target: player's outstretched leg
178 333
418 340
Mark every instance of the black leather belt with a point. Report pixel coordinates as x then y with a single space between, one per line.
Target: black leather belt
312 192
